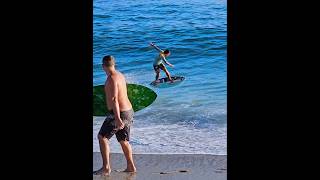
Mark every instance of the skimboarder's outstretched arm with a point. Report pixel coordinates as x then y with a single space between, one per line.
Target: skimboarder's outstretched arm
166 61
163 57
156 47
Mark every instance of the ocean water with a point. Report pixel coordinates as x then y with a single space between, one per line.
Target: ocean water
190 117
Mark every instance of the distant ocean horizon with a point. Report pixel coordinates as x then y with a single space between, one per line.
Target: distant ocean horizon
190 117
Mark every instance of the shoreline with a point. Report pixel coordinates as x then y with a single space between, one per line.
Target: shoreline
159 153
166 166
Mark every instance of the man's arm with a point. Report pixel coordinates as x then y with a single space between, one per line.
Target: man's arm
156 47
166 61
115 103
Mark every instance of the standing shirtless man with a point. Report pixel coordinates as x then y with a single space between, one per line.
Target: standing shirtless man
119 119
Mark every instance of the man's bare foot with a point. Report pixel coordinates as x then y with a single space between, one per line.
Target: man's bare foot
102 172
131 170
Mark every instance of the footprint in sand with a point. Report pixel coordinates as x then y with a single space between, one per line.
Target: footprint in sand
221 170
170 172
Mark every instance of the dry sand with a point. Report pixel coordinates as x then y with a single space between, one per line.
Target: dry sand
166 167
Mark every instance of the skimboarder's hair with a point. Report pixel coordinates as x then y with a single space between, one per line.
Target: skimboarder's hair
166 51
108 61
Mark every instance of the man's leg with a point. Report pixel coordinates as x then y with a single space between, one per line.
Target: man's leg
167 73
157 70
157 75
107 130
105 152
127 151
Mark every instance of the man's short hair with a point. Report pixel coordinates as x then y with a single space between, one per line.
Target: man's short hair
166 51
108 61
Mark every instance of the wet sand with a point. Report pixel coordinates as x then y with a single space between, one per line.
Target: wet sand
166 166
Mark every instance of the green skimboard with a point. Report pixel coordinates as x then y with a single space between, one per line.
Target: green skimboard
139 96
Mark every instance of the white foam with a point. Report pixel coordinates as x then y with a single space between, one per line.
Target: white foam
171 139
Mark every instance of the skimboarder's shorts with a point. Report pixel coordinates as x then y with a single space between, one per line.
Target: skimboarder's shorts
158 67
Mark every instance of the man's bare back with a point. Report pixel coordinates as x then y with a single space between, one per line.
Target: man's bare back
116 83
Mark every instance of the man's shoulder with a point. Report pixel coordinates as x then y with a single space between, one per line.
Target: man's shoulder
160 56
117 76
